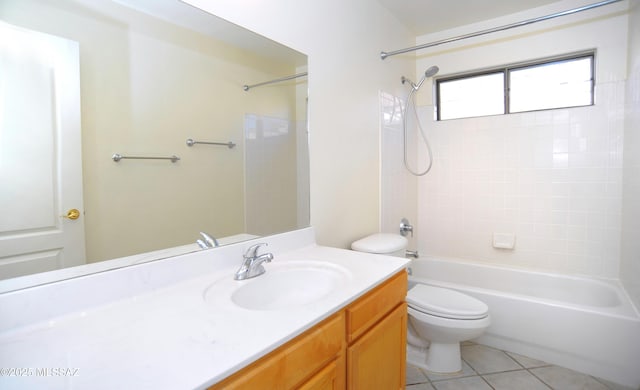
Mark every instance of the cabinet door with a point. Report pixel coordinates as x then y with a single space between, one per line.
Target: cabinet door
378 359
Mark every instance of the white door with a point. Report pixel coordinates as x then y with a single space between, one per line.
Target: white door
40 153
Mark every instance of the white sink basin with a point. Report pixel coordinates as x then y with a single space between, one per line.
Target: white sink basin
290 284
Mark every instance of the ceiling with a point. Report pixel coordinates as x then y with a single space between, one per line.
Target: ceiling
193 18
428 16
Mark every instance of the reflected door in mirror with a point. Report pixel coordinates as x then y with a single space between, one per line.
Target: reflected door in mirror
40 158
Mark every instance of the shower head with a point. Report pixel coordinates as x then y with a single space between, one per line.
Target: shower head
428 73
432 71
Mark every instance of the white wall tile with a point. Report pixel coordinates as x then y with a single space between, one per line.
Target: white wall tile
551 177
397 187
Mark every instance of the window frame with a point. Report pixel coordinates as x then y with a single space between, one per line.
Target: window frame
506 72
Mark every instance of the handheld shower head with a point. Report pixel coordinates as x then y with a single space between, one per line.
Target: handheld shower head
432 71
428 73
411 104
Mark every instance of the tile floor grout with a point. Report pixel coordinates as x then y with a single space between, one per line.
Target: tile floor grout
522 368
495 361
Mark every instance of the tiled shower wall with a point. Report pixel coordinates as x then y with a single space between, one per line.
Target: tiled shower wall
270 156
397 187
553 178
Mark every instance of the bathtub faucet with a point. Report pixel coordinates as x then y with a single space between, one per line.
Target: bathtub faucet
405 227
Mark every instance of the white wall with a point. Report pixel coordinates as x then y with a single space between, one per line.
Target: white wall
630 261
343 40
554 178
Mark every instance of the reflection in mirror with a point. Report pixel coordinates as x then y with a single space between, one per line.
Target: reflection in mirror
82 80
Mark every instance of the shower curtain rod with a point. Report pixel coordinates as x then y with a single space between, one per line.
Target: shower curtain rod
384 54
295 76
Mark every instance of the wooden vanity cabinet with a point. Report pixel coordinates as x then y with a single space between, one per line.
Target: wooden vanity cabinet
303 361
363 346
376 336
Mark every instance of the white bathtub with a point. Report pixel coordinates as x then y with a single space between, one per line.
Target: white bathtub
580 323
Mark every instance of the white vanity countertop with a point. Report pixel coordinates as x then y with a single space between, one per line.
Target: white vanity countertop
169 336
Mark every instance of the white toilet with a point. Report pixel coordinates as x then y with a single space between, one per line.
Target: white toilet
439 318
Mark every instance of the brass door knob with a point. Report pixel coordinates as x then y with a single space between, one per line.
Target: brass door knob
72 214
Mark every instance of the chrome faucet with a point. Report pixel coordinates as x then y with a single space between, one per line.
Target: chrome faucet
405 227
252 263
207 241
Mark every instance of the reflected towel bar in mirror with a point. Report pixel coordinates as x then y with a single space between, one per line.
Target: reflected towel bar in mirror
229 144
117 157
295 76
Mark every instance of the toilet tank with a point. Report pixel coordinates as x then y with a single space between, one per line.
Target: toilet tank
382 244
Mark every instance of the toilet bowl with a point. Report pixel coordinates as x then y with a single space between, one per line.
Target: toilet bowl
439 318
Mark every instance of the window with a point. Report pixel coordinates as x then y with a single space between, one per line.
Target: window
542 85
472 96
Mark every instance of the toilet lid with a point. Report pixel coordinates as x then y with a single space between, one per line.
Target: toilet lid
383 243
443 302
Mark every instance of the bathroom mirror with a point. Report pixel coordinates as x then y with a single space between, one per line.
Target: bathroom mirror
148 76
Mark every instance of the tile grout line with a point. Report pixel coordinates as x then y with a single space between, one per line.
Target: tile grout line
527 369
540 379
487 382
514 359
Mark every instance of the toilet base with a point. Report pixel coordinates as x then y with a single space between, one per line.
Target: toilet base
438 357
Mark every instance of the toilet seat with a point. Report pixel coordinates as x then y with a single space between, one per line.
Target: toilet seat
446 303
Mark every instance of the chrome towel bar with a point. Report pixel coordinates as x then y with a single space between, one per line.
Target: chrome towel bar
229 144
117 157
286 78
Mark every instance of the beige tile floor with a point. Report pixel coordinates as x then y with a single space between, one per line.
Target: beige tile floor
485 368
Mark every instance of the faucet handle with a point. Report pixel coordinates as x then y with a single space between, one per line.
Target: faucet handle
252 251
210 241
405 227
202 244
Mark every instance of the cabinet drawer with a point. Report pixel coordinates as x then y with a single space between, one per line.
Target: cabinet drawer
294 362
368 310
